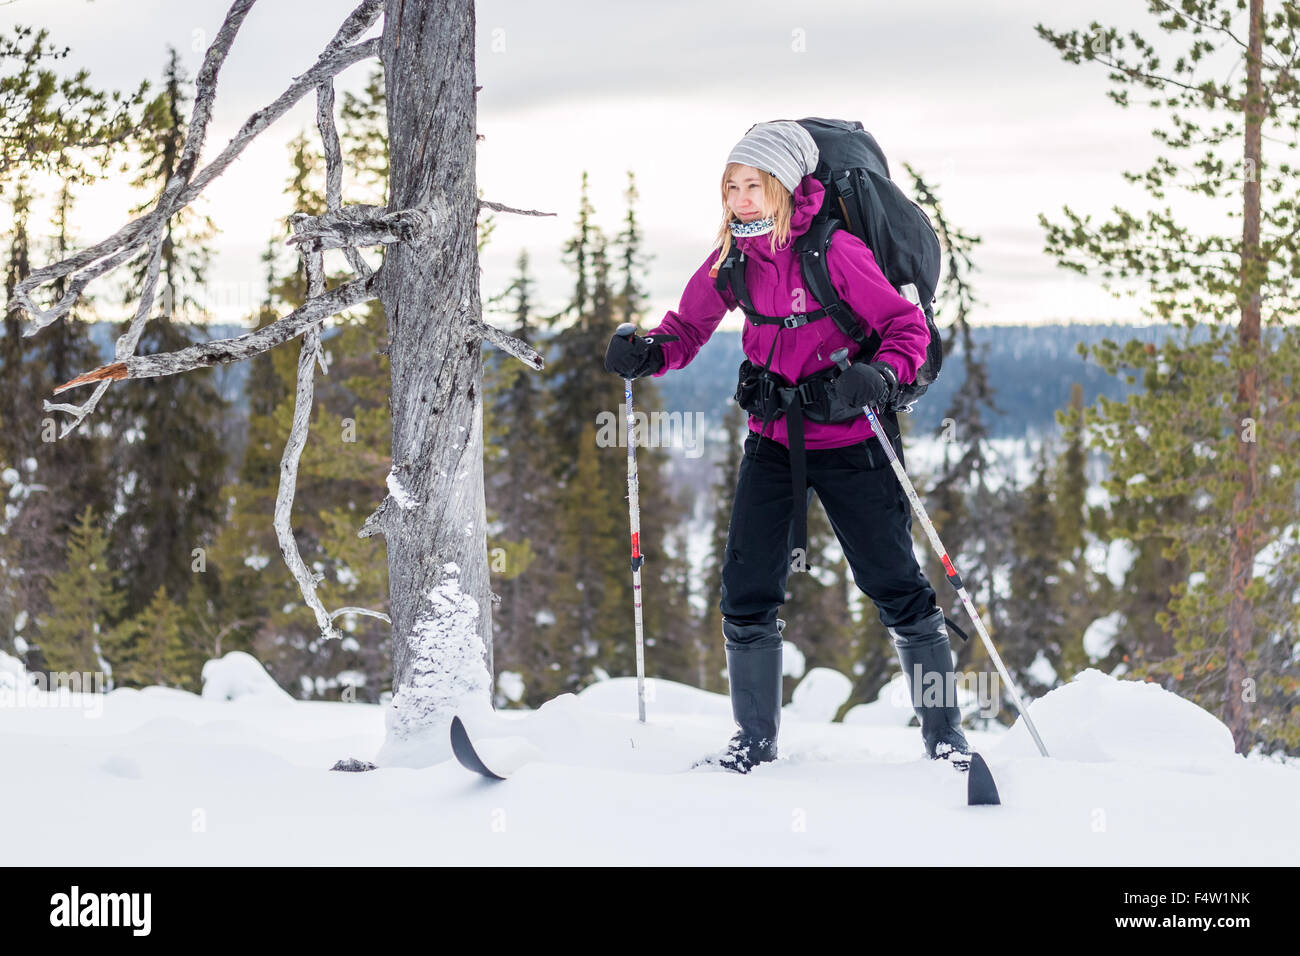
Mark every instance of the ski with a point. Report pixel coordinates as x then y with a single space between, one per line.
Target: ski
464 750
980 789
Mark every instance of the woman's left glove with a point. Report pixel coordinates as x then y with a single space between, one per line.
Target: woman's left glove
634 356
874 384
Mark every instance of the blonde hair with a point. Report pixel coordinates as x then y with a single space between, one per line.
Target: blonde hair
777 203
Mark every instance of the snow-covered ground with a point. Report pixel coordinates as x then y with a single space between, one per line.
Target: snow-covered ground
240 775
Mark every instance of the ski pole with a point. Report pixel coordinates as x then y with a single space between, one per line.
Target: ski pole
840 358
626 330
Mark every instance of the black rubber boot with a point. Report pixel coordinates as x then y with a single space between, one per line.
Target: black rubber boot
754 671
926 658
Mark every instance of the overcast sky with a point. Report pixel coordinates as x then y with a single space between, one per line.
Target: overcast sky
964 92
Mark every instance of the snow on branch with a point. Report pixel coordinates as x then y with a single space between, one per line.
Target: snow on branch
94 261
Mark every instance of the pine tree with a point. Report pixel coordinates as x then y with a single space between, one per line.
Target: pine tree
1041 628
82 601
817 604
364 138
1084 595
56 125
58 130
170 461
972 498
150 650
1209 441
346 457
521 504
710 654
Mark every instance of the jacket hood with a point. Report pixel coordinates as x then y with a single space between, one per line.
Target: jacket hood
807 198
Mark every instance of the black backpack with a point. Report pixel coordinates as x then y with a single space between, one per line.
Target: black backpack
862 198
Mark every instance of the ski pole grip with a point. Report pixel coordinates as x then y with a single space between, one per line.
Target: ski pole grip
841 358
625 331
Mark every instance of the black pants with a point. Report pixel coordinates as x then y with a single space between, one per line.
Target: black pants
868 510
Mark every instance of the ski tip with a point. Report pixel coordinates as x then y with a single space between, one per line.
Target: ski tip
981 790
463 748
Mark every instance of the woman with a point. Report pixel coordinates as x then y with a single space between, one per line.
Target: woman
770 196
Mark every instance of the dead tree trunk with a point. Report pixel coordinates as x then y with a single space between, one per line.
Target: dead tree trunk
433 518
434 521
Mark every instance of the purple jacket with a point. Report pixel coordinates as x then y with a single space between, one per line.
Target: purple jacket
773 282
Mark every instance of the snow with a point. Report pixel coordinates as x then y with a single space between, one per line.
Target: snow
1099 638
239 675
1137 776
1042 671
792 660
12 673
257 561
511 684
819 695
1098 719
20 620
1113 558
446 667
891 708
399 493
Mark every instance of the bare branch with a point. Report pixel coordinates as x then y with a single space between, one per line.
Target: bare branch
377 521
307 581
360 225
126 343
205 92
123 244
226 351
508 343
361 610
334 168
498 207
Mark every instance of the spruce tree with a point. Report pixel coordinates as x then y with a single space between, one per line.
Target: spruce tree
171 459
710 655
150 649
1035 585
972 497
53 130
82 602
346 457
520 501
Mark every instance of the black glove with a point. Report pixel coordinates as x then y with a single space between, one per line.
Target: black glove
875 384
634 356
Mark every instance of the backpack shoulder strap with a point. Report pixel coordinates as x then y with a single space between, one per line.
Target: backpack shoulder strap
813 247
731 274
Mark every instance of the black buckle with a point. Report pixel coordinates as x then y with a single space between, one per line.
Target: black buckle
794 321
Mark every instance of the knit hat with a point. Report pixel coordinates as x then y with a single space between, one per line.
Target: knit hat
782 147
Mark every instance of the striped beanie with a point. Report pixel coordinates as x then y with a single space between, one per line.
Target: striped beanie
783 148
